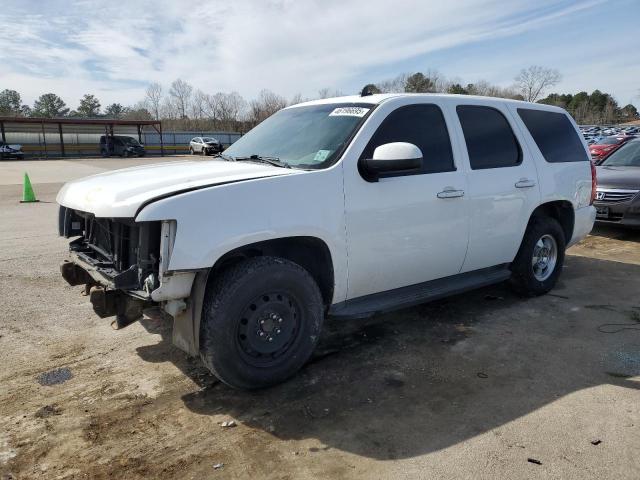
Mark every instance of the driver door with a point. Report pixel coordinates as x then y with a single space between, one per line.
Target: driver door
407 228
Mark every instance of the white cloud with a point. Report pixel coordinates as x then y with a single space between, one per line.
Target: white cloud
112 50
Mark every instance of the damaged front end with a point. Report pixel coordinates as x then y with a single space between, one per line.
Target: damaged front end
123 264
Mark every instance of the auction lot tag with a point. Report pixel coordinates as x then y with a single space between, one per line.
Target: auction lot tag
322 155
349 112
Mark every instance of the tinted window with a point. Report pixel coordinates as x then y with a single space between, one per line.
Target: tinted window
554 134
422 125
490 141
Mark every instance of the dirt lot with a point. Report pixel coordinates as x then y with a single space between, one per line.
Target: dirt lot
483 385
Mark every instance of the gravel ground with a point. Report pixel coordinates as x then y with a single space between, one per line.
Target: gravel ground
483 385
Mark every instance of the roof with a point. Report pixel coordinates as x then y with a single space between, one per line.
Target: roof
382 97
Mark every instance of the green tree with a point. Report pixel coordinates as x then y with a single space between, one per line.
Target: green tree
89 106
115 110
49 105
10 103
418 83
458 89
629 112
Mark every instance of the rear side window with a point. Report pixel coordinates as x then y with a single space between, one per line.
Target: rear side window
490 141
424 126
554 134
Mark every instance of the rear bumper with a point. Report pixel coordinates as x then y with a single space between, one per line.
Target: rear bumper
583 223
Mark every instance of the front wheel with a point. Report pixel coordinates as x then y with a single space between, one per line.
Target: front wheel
539 261
261 321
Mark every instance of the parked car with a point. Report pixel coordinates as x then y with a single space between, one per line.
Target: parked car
617 197
120 145
10 151
204 146
425 195
607 145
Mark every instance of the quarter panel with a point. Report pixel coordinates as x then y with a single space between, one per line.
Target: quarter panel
570 181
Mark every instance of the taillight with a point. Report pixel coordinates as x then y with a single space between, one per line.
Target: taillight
594 183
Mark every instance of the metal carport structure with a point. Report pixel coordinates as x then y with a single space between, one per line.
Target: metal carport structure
46 125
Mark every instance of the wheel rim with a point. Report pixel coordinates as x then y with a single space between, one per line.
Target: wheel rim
545 257
268 328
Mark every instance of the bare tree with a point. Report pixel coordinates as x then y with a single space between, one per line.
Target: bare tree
180 92
328 93
393 85
199 104
153 99
265 105
533 81
296 99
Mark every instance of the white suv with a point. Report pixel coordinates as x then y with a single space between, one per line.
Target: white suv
346 207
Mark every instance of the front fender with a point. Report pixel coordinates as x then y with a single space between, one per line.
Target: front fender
215 220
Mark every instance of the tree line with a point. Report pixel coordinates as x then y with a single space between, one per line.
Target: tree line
182 107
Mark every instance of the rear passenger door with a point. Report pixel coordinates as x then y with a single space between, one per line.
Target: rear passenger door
502 183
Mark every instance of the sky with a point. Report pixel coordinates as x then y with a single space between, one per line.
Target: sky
116 49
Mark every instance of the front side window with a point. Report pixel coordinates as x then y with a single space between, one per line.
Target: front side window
627 155
554 135
309 137
424 126
490 141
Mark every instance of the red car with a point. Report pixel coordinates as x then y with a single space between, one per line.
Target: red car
607 145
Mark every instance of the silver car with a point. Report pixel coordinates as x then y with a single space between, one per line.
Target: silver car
204 146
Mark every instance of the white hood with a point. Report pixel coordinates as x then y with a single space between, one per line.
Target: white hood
120 193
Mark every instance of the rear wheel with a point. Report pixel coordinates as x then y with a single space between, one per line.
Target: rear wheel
261 321
539 261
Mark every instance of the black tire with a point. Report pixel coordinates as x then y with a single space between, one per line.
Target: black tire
233 333
203 152
104 153
523 279
191 152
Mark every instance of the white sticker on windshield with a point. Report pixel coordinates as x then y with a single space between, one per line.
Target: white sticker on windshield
349 112
321 155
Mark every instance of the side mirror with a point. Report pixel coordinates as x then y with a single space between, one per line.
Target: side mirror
393 157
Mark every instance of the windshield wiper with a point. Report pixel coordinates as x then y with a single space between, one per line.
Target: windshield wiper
275 161
224 156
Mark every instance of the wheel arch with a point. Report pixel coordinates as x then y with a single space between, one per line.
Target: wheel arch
560 210
311 253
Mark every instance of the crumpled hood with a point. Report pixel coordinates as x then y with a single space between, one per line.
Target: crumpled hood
625 178
120 193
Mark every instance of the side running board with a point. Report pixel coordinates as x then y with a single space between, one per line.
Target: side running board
421 293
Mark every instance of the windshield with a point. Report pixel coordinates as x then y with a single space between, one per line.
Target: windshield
303 137
208 139
608 141
627 155
130 141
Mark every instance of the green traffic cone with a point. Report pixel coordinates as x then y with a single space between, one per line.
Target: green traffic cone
27 191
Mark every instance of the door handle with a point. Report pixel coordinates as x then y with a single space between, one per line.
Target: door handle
525 183
450 193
